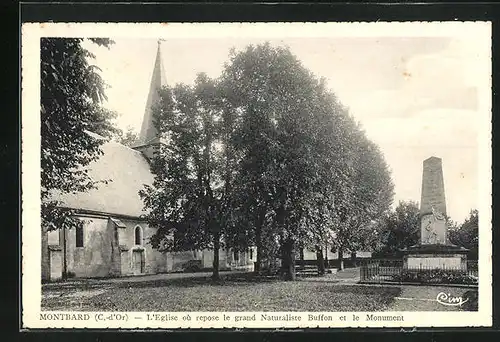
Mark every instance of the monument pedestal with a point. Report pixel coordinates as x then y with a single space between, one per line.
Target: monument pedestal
435 256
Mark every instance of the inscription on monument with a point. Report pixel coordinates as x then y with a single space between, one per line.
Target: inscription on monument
453 262
433 229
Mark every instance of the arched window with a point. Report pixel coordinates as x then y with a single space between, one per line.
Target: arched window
138 235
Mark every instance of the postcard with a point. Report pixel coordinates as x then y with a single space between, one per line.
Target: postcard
256 175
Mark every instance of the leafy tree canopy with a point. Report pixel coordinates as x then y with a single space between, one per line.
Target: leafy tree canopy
467 234
72 92
304 159
129 137
399 228
263 155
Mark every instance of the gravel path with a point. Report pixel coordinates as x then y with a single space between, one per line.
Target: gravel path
132 279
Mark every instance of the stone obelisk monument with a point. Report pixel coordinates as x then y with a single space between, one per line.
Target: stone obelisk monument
434 249
433 229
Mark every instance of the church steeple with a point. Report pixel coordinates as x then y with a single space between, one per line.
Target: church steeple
148 132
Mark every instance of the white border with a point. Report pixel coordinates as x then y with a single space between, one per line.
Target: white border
31 233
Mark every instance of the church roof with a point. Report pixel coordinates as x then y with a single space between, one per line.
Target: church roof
127 171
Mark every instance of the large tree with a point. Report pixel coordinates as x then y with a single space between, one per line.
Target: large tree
297 145
366 196
467 234
189 201
72 93
399 228
243 86
265 156
274 96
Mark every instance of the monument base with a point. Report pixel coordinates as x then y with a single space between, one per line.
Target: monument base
445 257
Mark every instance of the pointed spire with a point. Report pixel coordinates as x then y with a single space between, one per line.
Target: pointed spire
158 80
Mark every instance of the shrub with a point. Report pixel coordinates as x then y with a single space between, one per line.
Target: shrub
192 266
437 276
69 275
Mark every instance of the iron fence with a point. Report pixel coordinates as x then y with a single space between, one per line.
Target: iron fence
391 270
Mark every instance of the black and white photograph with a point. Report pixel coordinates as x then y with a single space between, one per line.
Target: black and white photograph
256 175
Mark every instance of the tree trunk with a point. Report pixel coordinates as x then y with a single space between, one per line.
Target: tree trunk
258 241
327 263
287 248
288 255
341 259
215 273
319 260
258 262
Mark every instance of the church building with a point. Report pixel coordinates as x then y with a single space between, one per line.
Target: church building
114 239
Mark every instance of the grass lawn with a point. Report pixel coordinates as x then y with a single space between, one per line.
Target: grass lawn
241 292
423 298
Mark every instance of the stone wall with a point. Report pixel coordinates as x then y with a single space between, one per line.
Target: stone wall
52 255
432 261
154 261
55 262
110 250
180 259
311 255
238 260
45 257
94 259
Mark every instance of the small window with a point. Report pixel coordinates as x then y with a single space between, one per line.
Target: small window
79 236
251 254
138 235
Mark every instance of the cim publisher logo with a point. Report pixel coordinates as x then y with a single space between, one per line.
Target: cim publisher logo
449 300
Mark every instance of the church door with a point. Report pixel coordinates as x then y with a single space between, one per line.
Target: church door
138 260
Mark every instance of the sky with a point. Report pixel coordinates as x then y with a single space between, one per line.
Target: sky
415 97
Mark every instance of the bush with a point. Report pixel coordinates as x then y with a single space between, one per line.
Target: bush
436 276
69 275
192 266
